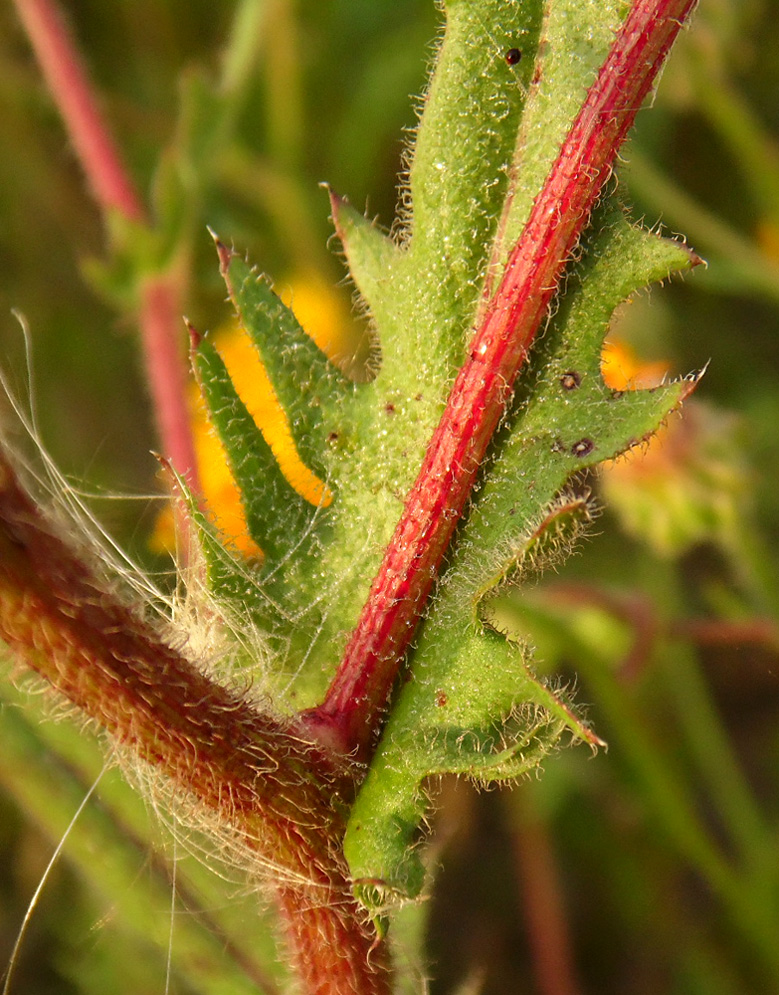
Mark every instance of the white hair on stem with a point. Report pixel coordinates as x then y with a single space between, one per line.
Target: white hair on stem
44 878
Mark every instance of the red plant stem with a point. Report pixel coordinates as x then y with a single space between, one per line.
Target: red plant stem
273 793
113 190
543 904
349 717
70 87
167 372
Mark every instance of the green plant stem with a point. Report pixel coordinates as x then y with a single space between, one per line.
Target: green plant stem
750 269
709 744
735 122
718 767
279 195
696 713
159 312
350 715
710 749
283 86
755 565
239 60
671 804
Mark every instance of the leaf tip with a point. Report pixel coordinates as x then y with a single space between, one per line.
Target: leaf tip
224 252
691 382
338 205
195 338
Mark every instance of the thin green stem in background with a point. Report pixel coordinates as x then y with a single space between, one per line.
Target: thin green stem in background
283 86
712 749
736 123
665 790
44 878
738 264
663 784
241 53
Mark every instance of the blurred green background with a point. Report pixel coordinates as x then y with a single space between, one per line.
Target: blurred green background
652 868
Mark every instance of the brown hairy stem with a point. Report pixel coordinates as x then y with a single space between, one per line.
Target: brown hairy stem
271 789
350 715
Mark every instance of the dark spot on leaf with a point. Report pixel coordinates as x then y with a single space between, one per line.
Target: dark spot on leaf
441 698
583 447
332 437
390 409
570 380
417 397
513 56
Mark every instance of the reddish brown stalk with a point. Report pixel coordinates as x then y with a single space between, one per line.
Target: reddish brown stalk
542 901
349 717
263 783
113 190
167 372
70 87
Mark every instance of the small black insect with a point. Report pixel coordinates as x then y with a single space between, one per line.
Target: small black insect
513 56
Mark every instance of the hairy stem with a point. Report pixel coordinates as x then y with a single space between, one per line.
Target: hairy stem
167 373
113 190
269 789
69 85
349 717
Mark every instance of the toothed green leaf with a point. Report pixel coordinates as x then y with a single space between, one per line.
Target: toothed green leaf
231 578
566 419
278 518
474 714
309 388
370 253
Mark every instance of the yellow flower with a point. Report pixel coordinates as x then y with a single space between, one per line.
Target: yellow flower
623 370
325 316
